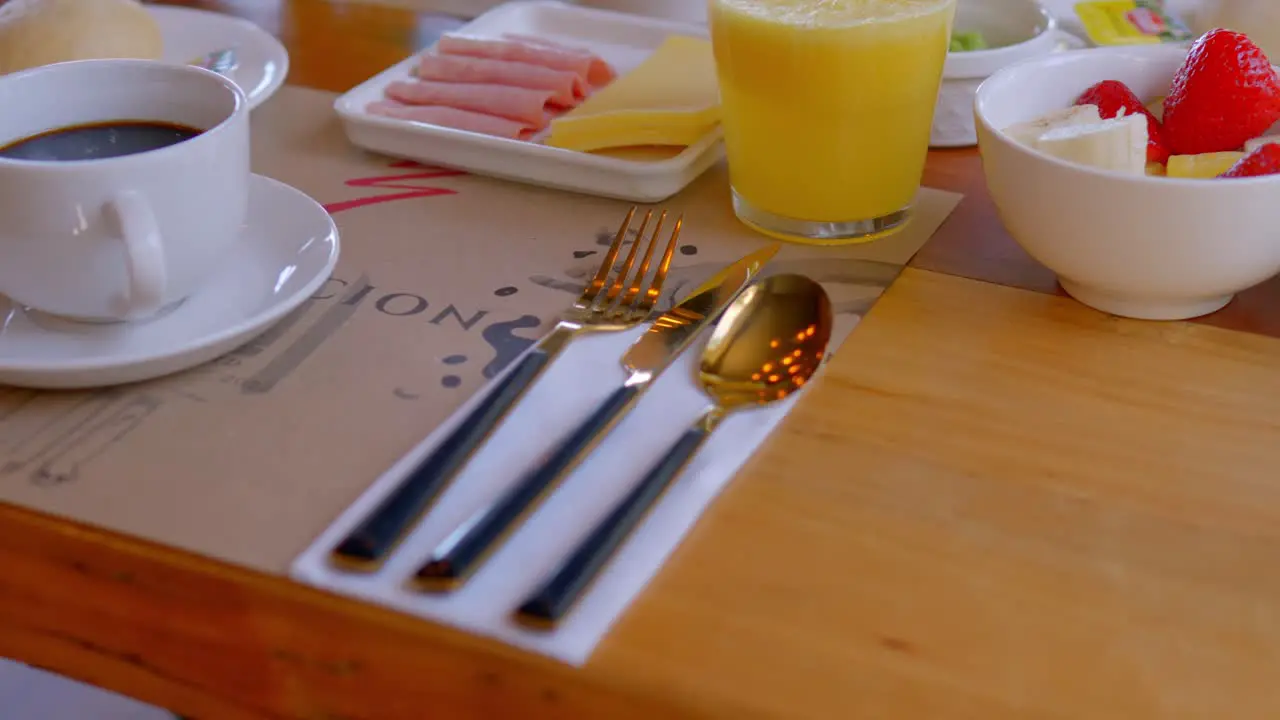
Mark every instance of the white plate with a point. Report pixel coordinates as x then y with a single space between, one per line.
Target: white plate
287 250
188 34
621 39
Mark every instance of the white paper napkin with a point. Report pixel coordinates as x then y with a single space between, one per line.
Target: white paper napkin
582 377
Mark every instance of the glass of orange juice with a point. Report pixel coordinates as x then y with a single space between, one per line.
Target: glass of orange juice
826 107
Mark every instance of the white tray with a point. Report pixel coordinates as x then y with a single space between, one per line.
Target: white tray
623 40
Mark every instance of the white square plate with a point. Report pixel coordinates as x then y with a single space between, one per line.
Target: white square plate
621 39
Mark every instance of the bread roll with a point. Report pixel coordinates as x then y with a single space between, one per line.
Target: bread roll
40 32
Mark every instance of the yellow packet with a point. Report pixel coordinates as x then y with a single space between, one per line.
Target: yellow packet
1131 22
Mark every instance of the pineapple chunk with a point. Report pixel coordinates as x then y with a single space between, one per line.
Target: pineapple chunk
1202 166
1155 170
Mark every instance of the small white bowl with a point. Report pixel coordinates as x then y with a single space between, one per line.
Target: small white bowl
1153 248
1016 30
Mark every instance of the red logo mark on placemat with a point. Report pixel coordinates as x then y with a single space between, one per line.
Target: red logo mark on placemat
405 182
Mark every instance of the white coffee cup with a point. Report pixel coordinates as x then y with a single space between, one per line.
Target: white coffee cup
120 238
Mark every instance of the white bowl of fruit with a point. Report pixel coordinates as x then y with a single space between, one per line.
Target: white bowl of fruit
1143 217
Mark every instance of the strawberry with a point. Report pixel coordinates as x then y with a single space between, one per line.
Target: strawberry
1225 93
1263 161
1113 97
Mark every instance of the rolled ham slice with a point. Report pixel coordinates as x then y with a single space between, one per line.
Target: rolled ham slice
567 87
514 103
593 70
454 118
601 73
544 42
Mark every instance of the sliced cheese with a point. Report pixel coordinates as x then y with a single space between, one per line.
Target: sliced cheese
672 98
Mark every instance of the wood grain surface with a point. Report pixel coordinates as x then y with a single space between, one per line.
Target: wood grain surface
997 504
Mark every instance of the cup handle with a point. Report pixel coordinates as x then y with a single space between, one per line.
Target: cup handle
144 253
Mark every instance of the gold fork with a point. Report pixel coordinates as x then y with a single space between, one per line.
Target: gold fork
604 306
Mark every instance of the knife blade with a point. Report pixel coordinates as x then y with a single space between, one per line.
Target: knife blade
455 559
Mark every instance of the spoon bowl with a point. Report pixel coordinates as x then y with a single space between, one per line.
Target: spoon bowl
766 346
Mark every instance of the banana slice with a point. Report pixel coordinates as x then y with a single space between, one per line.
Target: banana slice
1118 144
1256 143
1028 133
1156 107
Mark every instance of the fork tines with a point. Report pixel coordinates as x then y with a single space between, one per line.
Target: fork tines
633 295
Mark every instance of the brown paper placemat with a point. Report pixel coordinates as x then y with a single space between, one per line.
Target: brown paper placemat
444 278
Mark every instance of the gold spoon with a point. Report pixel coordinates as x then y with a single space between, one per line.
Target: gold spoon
767 345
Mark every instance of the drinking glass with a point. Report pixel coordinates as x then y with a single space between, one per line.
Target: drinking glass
826 109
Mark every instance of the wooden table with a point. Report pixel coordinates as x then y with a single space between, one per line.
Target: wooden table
998 504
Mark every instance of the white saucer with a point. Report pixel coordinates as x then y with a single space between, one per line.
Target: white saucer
287 250
188 34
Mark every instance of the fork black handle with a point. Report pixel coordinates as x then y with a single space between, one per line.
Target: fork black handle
367 546
547 605
454 560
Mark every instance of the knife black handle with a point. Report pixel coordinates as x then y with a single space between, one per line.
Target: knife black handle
547 605
454 560
367 546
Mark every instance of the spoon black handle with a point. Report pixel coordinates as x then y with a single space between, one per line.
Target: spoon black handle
367 546
557 596
455 559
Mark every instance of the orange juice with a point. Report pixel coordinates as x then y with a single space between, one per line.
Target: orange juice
826 107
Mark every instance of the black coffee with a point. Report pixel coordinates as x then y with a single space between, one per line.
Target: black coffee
97 141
